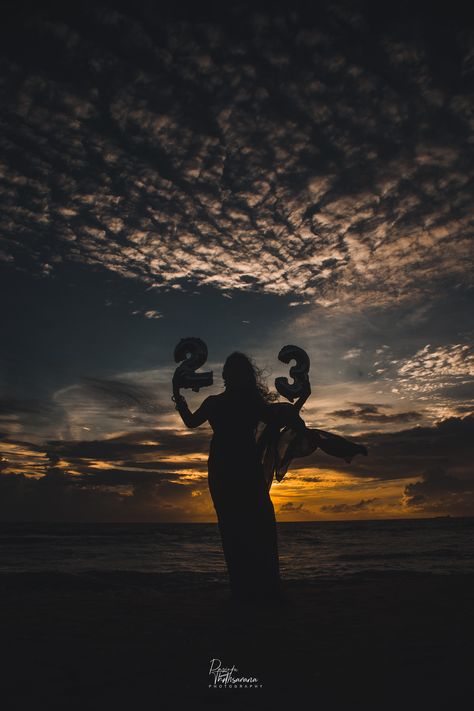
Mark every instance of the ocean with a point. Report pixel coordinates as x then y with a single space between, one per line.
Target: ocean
191 553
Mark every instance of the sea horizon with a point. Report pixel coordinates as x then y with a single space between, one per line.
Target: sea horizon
192 551
208 523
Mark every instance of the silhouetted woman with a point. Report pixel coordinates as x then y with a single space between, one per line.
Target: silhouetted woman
241 469
237 484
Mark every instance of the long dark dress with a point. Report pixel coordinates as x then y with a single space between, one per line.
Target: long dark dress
239 489
240 495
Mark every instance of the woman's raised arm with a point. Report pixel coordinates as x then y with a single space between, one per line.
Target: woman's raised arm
190 419
284 414
280 414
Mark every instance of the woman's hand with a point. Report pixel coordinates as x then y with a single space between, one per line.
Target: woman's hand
176 386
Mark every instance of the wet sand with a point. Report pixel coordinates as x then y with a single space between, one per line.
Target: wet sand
136 641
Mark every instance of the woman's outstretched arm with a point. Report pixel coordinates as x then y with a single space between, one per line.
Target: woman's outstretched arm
190 419
285 414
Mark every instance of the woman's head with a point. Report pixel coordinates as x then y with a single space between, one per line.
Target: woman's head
240 374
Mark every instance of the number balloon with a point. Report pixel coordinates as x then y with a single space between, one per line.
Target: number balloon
299 372
192 354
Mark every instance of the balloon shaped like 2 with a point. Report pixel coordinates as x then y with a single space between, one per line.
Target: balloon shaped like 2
192 353
299 373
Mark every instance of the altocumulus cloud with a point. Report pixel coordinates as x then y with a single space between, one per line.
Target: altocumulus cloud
247 152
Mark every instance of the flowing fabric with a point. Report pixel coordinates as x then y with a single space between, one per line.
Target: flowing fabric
279 446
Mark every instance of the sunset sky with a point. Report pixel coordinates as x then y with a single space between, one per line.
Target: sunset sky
252 178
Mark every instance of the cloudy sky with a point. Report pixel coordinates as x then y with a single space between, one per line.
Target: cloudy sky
253 178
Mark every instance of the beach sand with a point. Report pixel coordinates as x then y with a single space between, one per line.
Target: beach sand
113 641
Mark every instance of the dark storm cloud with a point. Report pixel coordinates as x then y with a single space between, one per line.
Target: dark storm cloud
364 412
392 455
167 474
439 491
122 477
259 151
362 505
410 452
80 488
160 442
407 453
138 459
59 496
291 507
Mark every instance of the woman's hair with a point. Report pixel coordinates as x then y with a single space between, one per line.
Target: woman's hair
241 374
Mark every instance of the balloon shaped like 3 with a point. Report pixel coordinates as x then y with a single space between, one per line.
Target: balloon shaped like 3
299 372
193 354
